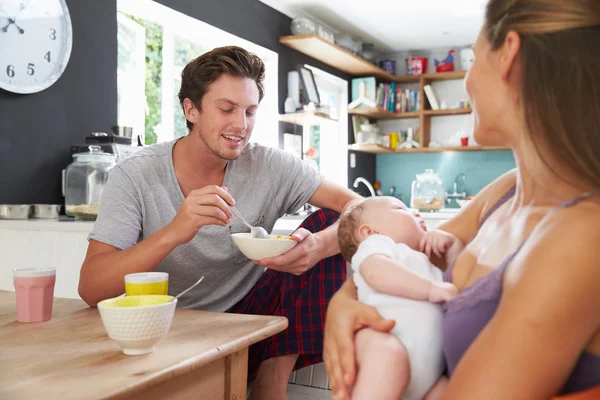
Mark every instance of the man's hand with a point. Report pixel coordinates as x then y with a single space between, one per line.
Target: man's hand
206 206
300 258
437 241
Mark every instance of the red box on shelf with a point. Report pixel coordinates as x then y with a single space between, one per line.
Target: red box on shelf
416 65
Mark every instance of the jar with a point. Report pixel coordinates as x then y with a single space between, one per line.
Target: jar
427 192
85 179
303 26
368 52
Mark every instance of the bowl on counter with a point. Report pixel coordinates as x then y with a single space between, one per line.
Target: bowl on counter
137 323
45 211
257 249
14 211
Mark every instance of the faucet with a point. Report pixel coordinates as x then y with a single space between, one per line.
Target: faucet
367 184
458 195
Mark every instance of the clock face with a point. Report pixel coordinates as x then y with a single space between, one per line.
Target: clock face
35 43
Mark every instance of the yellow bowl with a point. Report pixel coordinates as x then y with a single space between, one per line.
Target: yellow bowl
135 301
137 323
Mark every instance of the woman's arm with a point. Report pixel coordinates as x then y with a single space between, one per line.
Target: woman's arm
547 315
345 316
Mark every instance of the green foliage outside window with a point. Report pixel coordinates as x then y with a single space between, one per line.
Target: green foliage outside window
185 51
154 45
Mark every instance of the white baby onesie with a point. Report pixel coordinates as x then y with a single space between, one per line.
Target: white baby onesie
418 323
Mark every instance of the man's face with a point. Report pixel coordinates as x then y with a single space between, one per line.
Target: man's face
227 115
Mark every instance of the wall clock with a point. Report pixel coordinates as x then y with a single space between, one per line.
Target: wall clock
35 43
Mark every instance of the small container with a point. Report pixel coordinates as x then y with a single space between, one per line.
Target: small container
427 192
144 283
416 65
303 26
85 179
388 66
393 140
14 211
34 290
368 52
45 211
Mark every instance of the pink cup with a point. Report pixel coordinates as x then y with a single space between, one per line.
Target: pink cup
34 288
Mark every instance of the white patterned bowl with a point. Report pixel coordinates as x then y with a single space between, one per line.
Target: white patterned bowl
257 249
137 323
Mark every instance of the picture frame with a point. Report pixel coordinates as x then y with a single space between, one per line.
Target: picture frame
309 86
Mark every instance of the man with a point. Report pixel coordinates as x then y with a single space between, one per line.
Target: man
166 208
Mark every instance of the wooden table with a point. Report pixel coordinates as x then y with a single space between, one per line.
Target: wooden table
204 356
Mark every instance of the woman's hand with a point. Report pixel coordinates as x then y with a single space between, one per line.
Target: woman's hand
345 316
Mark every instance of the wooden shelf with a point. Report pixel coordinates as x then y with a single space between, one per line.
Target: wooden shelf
370 148
343 60
340 58
458 111
444 76
303 118
378 149
378 113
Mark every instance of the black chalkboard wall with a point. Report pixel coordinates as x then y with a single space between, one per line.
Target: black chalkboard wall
36 130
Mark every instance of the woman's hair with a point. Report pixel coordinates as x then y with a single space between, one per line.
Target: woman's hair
200 72
560 79
349 222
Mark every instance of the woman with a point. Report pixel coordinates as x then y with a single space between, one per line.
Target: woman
527 322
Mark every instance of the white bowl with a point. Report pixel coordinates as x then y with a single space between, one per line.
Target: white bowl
257 249
137 323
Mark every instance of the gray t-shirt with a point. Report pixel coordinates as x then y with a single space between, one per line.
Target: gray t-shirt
142 196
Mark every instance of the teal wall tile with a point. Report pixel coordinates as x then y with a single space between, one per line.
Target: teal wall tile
481 168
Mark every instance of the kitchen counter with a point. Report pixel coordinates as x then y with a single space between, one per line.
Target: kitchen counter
63 244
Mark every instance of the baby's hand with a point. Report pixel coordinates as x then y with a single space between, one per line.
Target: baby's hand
442 291
436 240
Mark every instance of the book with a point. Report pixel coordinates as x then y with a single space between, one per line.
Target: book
431 97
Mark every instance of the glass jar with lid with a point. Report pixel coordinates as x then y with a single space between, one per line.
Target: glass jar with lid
85 179
427 193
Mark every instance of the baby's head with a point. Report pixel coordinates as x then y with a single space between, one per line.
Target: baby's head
378 215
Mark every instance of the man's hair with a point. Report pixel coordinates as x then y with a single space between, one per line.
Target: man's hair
199 73
349 222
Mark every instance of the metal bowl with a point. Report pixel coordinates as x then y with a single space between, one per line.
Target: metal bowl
125 131
45 211
14 211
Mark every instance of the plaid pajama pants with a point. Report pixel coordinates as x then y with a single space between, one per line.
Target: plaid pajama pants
301 299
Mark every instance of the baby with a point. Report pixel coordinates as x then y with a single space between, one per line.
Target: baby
384 241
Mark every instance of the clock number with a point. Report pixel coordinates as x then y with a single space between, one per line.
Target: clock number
47 56
30 70
52 33
10 71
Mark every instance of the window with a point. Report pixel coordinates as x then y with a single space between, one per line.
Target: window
171 39
326 144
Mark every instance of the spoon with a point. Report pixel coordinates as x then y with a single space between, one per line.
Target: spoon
188 289
255 231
